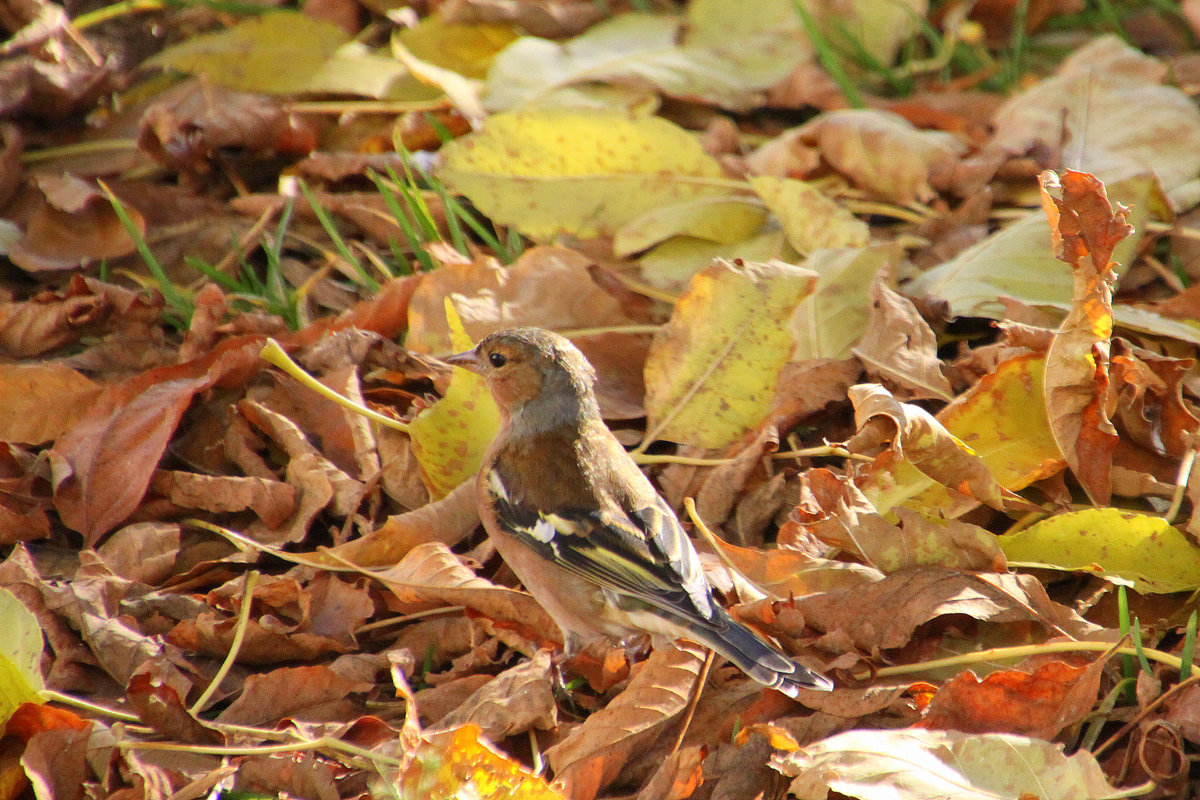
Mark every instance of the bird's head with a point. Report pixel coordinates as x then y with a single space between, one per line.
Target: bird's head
533 372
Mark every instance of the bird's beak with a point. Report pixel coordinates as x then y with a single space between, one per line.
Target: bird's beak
467 360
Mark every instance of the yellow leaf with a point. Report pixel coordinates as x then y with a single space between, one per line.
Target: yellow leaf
450 437
459 764
810 220
1003 420
1146 550
465 48
711 371
317 56
582 172
718 219
671 264
20 654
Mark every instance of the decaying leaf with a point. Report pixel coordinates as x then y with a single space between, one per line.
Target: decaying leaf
1084 229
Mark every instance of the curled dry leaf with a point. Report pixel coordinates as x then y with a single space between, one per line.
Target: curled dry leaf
899 349
431 573
1084 229
186 133
1149 403
272 501
918 437
879 151
836 512
73 225
310 693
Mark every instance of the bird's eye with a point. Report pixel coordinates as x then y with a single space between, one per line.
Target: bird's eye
497 360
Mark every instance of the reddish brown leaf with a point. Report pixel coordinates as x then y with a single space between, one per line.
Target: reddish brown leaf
31 718
103 465
1040 703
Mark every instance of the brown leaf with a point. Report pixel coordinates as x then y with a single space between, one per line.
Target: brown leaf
50 320
75 224
272 501
836 512
879 151
312 693
24 500
431 572
884 615
55 761
593 754
899 348
677 778
160 706
103 465
448 521
212 635
1084 228
40 401
1040 703
1149 400
185 131
145 551
517 700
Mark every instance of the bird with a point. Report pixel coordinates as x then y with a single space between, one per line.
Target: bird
582 527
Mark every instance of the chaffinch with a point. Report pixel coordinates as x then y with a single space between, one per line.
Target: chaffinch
581 526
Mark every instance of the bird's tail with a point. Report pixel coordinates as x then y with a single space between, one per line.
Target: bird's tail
755 657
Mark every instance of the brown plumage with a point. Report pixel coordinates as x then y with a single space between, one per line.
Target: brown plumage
582 527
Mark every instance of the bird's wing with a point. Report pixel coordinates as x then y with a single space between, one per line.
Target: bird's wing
644 553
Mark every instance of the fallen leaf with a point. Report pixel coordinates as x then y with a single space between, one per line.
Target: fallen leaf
899 348
1142 549
104 463
576 171
1038 704
836 512
1084 229
74 225
320 59
885 613
517 700
709 375
592 755
942 763
38 402
811 220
